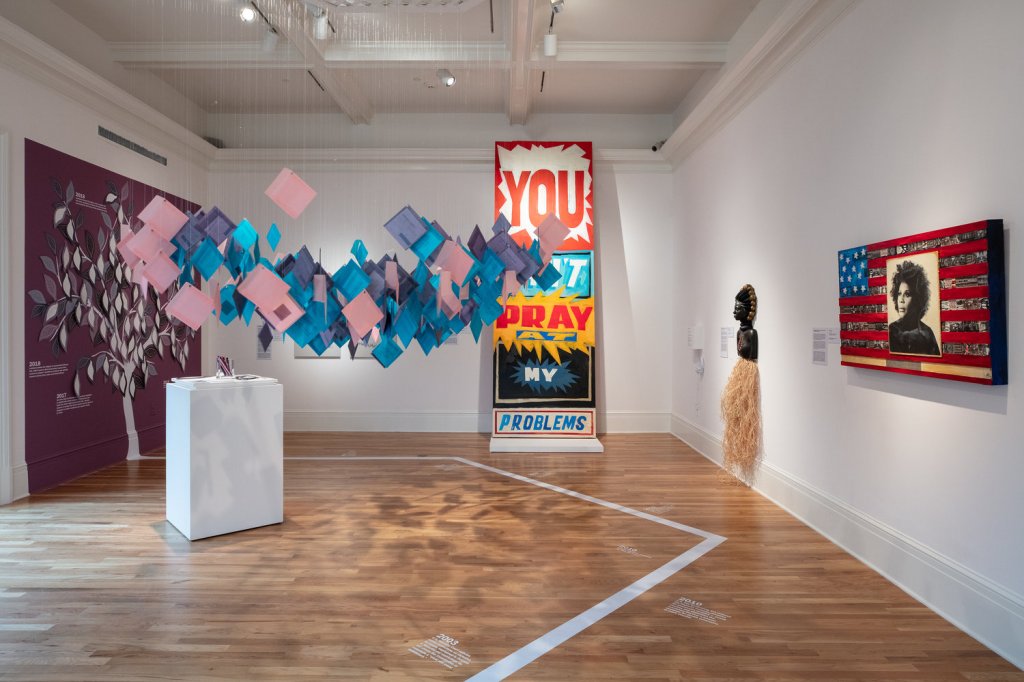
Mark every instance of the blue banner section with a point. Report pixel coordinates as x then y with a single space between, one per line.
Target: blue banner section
576 268
544 422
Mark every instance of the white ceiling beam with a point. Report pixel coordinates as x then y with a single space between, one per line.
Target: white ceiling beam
406 54
520 46
348 54
339 85
633 55
183 55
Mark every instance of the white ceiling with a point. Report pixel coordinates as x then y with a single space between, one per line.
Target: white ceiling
614 57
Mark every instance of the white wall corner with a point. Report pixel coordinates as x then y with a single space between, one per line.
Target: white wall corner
788 29
986 611
6 342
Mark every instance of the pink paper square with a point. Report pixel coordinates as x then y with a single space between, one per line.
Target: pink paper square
264 288
511 285
551 232
147 243
215 295
290 192
140 279
130 259
163 217
191 306
362 314
455 260
447 301
391 275
283 314
320 288
161 272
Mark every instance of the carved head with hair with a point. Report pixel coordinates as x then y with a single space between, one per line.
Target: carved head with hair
745 309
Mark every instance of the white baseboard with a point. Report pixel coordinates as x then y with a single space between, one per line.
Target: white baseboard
983 609
19 482
453 422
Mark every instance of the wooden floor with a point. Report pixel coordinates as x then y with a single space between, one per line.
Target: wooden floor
378 556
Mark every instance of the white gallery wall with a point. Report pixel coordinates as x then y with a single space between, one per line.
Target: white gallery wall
51 105
450 389
904 117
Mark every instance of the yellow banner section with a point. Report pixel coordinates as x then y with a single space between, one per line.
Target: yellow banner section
546 322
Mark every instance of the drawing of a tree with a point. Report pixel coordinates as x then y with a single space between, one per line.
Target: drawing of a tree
88 286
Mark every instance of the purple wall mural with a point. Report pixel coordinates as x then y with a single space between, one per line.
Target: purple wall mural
98 346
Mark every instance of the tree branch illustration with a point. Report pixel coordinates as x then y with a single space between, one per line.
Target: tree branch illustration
87 285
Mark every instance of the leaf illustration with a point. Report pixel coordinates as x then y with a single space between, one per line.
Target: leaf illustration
125 190
49 264
36 296
76 384
51 312
38 310
52 243
51 285
90 244
62 336
90 372
59 213
111 197
69 193
47 331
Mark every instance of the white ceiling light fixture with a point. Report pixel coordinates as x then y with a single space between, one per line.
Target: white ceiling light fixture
321 26
446 77
248 14
270 39
557 6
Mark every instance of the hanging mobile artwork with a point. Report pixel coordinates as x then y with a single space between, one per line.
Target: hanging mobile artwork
741 399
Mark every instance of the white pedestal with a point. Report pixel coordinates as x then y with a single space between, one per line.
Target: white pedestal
225 455
545 445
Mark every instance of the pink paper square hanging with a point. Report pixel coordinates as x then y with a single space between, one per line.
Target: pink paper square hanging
191 306
162 216
290 192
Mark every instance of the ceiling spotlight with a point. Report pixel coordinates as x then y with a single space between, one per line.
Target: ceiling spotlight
446 77
557 6
248 14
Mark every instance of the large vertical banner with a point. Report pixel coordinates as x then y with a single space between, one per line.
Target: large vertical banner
98 346
544 382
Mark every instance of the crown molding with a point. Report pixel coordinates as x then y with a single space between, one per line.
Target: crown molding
183 55
410 160
798 25
28 55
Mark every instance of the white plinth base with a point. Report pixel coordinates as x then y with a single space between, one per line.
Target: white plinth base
546 445
225 465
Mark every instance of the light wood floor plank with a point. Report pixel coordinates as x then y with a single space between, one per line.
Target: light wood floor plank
375 557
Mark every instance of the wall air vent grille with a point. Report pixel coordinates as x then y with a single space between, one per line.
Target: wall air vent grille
134 146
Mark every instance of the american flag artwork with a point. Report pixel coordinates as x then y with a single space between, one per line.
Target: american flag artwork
969 299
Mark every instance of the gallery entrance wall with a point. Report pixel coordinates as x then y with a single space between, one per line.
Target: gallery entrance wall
898 122
57 119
